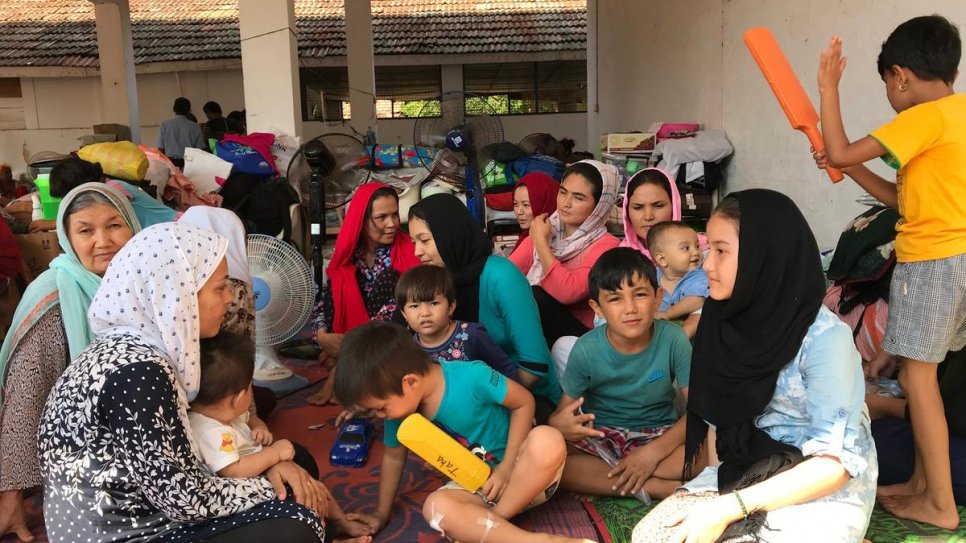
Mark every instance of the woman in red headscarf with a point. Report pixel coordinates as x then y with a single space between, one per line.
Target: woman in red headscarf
371 253
534 195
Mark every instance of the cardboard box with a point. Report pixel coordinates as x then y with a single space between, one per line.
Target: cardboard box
22 210
627 143
38 250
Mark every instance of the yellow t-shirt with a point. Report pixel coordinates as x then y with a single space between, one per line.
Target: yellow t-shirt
927 144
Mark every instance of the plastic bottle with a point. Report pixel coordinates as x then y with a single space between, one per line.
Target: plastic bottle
442 451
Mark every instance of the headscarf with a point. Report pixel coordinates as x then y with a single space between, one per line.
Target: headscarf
150 291
742 343
542 190
463 246
224 222
630 234
595 226
350 309
67 283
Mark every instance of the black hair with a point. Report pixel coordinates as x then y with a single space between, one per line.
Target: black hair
577 156
618 266
384 192
422 283
730 209
657 232
211 107
929 46
227 365
649 176
416 212
182 106
591 174
71 173
376 356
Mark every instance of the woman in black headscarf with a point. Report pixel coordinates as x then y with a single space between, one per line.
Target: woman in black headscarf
776 391
490 290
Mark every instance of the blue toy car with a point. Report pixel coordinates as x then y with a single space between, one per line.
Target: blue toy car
351 447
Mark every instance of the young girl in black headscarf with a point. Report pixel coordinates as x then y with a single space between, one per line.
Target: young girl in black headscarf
776 393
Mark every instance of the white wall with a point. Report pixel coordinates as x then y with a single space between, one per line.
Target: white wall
685 60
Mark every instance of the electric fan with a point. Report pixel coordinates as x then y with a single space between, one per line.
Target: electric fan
284 295
346 166
538 143
461 124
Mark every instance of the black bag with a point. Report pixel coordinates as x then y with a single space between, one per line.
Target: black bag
261 202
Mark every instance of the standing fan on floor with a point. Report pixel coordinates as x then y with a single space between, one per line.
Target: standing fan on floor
466 123
284 296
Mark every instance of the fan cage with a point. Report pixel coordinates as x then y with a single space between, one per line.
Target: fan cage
289 280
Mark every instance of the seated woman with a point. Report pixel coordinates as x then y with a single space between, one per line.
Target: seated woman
562 248
241 313
49 329
776 390
240 318
489 289
535 194
371 253
116 423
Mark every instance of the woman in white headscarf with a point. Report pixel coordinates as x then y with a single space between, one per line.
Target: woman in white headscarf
241 312
116 456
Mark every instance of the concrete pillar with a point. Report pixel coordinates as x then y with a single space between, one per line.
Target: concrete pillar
270 72
593 107
359 56
451 77
115 49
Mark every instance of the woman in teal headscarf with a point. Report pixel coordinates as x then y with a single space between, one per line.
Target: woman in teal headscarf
49 329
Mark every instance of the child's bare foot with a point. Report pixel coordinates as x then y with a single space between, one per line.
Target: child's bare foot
351 528
920 508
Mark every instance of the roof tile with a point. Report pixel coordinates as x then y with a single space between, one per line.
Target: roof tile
62 32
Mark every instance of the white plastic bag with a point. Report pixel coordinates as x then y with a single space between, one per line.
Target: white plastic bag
204 169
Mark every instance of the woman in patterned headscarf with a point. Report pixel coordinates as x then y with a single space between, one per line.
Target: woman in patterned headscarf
116 422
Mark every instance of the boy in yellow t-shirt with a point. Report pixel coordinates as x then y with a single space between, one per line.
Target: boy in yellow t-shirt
926 142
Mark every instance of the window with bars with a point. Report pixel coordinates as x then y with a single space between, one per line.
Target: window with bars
401 92
526 88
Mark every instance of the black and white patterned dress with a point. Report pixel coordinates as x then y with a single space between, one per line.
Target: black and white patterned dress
118 462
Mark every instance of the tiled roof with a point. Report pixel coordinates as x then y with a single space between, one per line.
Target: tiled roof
62 33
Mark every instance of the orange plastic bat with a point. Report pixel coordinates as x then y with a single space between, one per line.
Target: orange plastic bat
778 72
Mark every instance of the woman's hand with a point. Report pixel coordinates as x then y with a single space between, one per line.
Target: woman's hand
307 491
41 225
706 521
13 520
540 228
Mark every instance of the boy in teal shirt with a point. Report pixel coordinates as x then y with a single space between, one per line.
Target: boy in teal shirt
489 414
618 386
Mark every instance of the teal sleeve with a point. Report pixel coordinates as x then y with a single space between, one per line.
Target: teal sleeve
576 379
518 311
680 356
389 437
487 384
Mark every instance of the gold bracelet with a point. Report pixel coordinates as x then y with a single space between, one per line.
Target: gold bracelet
741 503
